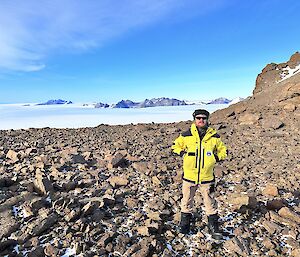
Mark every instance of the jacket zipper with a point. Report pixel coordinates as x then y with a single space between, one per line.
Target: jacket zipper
203 158
196 156
199 162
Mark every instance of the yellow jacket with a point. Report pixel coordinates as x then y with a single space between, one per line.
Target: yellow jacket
200 156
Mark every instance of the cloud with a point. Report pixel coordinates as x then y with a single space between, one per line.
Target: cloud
32 30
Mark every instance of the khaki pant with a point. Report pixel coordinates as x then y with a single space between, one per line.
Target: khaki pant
208 195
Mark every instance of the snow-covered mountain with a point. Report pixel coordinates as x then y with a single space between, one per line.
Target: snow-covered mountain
162 101
236 100
220 100
53 102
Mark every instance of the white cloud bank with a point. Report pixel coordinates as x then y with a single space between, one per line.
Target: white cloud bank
31 30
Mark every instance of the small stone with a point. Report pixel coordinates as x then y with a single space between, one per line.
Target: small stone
154 216
156 181
118 181
12 155
50 250
143 231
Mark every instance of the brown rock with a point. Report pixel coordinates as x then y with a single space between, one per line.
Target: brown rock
239 201
249 118
50 250
289 214
118 181
154 216
237 245
295 252
289 107
42 184
272 122
279 219
275 204
270 190
140 166
106 238
268 243
72 215
12 155
156 181
271 227
39 226
143 231
8 224
117 160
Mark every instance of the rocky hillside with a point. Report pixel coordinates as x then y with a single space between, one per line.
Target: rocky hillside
115 190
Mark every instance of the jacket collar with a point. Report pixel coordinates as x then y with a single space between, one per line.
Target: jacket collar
209 133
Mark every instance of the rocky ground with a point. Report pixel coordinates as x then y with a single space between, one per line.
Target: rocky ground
115 190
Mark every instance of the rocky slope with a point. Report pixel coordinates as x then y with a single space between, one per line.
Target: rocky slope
115 190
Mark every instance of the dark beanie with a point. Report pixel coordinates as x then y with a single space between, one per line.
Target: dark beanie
200 111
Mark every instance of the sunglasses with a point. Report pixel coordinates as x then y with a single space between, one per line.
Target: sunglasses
199 118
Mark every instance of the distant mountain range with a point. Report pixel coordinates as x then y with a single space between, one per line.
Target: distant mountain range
53 102
162 101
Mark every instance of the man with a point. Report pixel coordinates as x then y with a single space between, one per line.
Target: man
201 147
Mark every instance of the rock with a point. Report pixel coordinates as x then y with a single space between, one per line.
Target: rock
8 224
143 231
272 122
72 214
289 107
275 204
140 166
117 160
270 190
239 201
289 214
249 119
237 245
271 227
42 184
279 219
12 155
118 181
154 216
7 244
295 252
37 252
268 243
50 250
88 209
156 181
106 239
42 225
78 158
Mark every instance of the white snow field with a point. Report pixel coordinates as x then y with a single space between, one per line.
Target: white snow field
18 116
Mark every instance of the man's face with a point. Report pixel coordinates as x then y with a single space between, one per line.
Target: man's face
201 121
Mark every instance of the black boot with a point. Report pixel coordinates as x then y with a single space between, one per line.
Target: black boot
185 223
213 227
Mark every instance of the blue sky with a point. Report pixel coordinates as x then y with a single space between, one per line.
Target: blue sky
105 50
